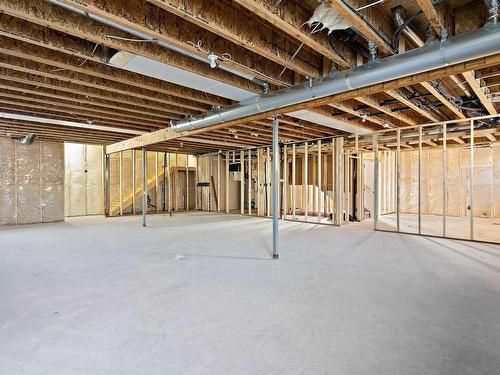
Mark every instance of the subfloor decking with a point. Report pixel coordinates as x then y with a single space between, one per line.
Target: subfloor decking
106 296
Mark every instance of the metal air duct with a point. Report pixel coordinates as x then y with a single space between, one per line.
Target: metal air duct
434 55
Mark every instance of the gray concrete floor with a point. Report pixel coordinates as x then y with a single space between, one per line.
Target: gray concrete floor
105 296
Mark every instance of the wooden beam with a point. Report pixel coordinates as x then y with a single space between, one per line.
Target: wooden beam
166 27
26 86
237 26
372 102
382 43
166 134
20 75
290 17
172 104
377 36
396 95
10 96
33 109
457 139
470 77
442 99
435 14
82 56
349 109
46 14
429 142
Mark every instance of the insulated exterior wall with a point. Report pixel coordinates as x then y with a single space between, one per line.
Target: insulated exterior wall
486 184
31 182
83 179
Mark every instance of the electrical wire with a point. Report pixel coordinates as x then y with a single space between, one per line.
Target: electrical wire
331 42
81 64
226 57
400 29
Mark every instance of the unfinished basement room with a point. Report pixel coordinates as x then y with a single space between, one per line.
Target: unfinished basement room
249 187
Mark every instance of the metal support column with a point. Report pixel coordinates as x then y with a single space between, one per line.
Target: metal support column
339 181
227 182
319 182
305 186
276 171
242 182
471 180
144 186
133 183
375 181
121 182
398 183
294 199
249 186
285 183
445 178
420 180
169 186
165 155
106 185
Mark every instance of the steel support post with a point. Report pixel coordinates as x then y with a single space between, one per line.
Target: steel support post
420 180
165 155
276 171
294 199
106 185
471 180
319 182
445 178
144 186
398 182
375 181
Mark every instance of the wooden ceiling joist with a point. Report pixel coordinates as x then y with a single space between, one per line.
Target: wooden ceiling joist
69 107
290 19
65 65
32 88
166 134
176 105
72 115
236 25
425 113
367 25
434 13
79 55
166 27
18 75
442 99
372 102
46 14
470 77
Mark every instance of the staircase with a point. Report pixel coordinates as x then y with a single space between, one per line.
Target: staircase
127 201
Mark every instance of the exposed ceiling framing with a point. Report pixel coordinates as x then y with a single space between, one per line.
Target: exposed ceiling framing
55 64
